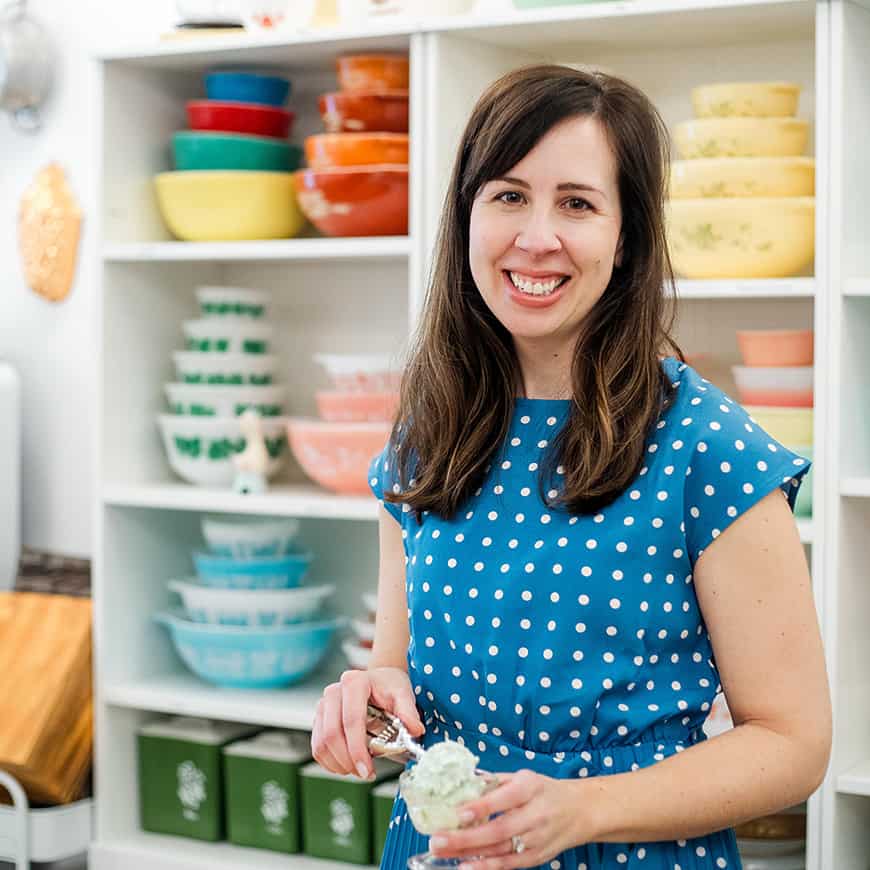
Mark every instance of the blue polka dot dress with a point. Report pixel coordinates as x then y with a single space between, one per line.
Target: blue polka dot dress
574 645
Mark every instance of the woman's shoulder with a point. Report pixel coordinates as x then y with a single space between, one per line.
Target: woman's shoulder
695 401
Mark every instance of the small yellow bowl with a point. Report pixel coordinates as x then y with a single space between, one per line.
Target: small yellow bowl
742 137
787 425
741 237
743 176
746 99
207 206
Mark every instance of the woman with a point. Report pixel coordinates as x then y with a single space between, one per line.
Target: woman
582 542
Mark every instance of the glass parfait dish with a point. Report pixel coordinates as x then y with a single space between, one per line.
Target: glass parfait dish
431 812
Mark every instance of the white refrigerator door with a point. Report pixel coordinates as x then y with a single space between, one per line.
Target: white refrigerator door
10 474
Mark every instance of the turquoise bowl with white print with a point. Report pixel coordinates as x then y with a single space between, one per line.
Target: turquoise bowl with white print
256 608
261 572
250 658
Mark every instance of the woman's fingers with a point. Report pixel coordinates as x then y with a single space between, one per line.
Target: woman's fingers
355 691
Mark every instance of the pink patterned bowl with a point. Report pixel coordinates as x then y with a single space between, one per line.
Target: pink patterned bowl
357 407
337 455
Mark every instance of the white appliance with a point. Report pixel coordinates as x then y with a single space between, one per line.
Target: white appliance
10 475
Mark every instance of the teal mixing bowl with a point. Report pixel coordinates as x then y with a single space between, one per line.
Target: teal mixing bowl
194 150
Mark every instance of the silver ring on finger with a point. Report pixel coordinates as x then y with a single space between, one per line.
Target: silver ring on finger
517 843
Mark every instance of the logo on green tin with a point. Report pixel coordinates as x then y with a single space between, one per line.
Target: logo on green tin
341 820
274 806
191 789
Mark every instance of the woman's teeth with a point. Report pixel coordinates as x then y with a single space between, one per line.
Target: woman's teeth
535 288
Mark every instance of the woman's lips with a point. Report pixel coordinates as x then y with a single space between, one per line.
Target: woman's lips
526 299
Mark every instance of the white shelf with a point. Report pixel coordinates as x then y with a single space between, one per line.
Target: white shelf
762 288
157 852
855 487
805 529
184 694
279 501
857 287
639 23
856 780
327 250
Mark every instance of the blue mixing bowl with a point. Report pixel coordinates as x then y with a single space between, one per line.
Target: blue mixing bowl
240 87
259 572
250 658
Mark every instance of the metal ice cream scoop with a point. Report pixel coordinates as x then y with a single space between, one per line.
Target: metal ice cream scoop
388 737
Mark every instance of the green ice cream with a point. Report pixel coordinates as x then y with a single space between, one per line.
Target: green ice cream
442 779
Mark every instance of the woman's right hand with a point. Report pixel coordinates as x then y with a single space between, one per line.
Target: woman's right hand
339 739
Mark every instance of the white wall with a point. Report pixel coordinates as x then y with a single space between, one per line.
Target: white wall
52 345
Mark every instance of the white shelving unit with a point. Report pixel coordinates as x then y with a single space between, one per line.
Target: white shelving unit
365 294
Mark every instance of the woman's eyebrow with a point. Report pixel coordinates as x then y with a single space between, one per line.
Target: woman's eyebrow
565 185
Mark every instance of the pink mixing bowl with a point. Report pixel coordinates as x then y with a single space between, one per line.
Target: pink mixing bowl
356 407
337 455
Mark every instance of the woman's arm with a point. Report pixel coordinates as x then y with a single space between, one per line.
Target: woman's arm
754 590
391 628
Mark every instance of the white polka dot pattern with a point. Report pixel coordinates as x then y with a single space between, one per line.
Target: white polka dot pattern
574 644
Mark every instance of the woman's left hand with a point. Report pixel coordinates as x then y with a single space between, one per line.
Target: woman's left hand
547 816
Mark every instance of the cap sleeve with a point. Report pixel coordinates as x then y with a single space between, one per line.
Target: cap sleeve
382 479
734 465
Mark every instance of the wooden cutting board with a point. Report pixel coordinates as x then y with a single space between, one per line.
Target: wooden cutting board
46 705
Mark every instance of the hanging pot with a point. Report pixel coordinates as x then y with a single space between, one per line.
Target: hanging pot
26 65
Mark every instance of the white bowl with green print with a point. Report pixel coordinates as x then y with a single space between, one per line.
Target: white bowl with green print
223 400
200 449
236 369
226 335
234 302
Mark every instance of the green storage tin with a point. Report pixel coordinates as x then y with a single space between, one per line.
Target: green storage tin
180 777
383 798
337 812
261 794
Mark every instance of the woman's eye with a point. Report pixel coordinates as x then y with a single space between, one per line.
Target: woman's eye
575 203
510 197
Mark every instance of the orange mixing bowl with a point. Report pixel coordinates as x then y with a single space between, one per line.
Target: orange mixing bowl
341 407
373 72
355 201
360 111
776 347
355 149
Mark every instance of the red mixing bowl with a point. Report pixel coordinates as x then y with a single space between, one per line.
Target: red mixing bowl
256 120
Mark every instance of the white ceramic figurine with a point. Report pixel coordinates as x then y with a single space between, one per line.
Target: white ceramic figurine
252 462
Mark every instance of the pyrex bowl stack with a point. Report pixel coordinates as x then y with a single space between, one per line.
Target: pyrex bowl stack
775 384
225 369
742 198
233 169
356 420
356 183
248 622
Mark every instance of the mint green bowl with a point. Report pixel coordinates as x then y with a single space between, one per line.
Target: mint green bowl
194 150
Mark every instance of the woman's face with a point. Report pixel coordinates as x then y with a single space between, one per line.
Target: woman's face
544 238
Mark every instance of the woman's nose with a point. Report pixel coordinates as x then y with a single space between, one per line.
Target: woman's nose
537 236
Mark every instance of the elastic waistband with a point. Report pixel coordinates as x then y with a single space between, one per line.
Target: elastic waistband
564 761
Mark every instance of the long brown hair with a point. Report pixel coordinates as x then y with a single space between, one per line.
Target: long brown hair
459 385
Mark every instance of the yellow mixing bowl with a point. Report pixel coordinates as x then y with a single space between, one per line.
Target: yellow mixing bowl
741 237
787 425
206 206
742 137
746 99
743 176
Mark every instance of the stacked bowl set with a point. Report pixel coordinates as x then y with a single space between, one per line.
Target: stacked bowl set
247 619
775 385
225 369
234 167
742 198
237 177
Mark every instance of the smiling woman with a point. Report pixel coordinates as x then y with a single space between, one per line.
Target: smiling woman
582 541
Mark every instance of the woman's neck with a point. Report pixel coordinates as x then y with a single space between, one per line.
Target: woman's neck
544 372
